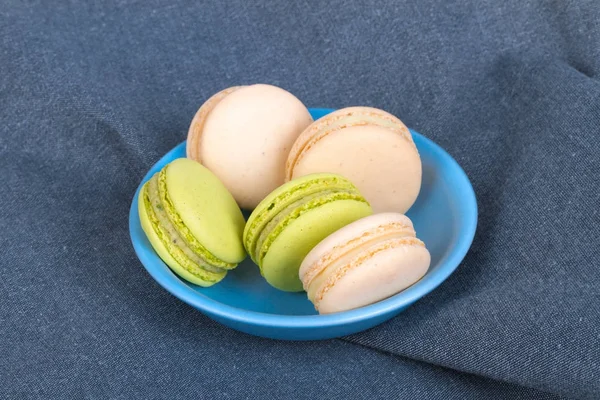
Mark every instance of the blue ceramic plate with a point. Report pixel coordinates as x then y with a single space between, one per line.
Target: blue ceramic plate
445 218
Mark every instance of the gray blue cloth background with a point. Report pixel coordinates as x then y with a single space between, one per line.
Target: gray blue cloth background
93 93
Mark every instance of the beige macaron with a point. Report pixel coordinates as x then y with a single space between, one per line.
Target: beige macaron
370 147
364 262
243 134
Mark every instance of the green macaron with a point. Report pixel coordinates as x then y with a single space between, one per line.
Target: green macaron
192 222
294 218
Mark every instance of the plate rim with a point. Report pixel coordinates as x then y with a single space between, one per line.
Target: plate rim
174 285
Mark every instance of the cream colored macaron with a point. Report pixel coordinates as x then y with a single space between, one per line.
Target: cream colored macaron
364 262
243 134
370 147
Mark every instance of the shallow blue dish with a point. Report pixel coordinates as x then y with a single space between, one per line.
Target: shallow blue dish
445 218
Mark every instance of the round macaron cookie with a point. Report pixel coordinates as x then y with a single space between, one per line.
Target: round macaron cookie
243 134
192 222
364 262
291 220
371 147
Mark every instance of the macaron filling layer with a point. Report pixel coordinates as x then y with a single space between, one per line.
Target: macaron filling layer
336 271
296 209
338 122
170 235
256 225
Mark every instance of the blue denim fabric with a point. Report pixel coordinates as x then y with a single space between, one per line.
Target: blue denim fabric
93 94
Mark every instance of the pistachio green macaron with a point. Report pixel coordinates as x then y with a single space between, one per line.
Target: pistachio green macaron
294 218
192 222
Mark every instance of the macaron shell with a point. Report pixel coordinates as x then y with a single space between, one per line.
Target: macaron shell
197 124
162 251
253 128
351 234
206 208
383 275
384 166
281 263
339 119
